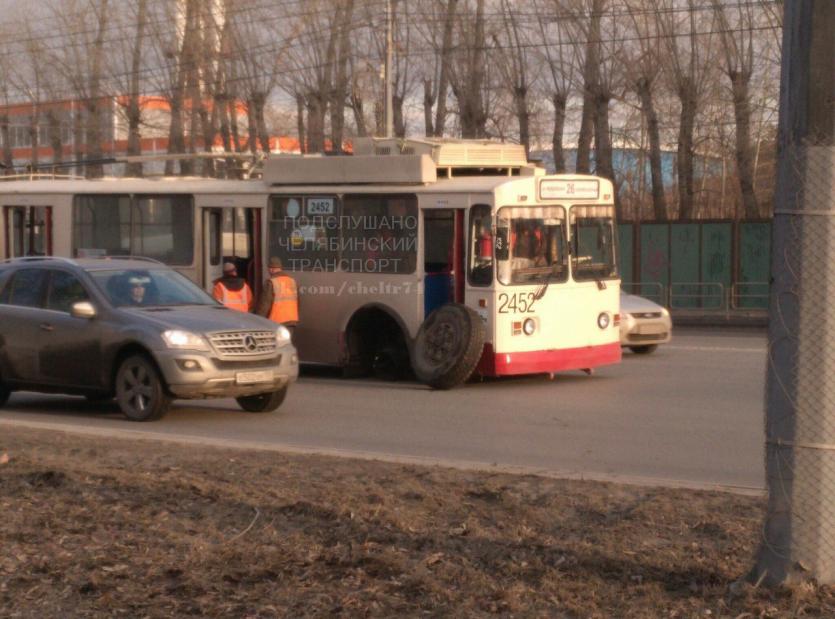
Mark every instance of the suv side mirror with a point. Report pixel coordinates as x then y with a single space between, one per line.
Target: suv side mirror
83 309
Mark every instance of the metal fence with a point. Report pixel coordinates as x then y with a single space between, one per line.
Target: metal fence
705 266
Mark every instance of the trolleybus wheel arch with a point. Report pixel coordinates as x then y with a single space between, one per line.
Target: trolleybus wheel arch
448 346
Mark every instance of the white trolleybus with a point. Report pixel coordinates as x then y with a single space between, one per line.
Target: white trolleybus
451 258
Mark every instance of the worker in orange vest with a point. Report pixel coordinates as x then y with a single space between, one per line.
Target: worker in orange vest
279 299
233 291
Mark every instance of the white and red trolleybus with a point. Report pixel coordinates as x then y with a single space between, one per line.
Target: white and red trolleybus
452 257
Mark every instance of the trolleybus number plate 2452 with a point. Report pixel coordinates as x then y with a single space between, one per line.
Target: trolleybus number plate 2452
517 303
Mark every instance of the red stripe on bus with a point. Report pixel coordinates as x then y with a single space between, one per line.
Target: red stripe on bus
546 361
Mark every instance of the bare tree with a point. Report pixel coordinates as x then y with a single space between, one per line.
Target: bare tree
737 37
588 35
560 72
643 67
686 52
513 62
467 75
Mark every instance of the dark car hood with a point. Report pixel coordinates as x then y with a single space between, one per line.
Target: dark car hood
201 318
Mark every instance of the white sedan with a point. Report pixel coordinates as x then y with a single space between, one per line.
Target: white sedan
643 324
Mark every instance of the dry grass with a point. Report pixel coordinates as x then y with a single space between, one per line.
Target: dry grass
142 529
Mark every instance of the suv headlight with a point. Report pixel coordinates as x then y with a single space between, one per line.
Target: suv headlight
282 336
184 339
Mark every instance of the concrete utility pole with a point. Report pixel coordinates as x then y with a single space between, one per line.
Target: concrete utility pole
798 540
389 62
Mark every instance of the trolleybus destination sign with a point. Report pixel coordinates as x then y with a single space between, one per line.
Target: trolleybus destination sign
560 189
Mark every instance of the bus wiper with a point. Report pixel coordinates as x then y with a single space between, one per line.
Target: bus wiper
540 292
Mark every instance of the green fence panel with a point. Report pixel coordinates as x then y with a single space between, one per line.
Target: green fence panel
626 252
655 261
685 291
754 265
717 244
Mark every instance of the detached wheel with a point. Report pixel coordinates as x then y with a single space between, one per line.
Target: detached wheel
140 391
643 350
263 402
448 346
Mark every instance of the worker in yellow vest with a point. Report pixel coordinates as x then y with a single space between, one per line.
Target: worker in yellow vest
233 291
279 299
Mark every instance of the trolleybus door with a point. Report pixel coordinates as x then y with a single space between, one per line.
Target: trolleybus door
232 234
28 231
443 258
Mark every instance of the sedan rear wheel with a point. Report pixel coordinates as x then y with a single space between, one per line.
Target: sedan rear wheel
139 390
643 350
263 402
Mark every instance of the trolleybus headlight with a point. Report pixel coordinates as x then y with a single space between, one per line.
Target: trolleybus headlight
529 326
282 336
603 320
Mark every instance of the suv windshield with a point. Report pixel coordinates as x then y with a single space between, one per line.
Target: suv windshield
530 245
593 243
149 287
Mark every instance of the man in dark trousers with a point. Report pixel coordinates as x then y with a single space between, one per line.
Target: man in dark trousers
279 299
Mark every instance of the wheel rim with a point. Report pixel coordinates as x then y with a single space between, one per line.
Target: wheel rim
136 389
441 342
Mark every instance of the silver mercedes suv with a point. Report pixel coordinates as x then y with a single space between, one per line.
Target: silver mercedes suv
135 330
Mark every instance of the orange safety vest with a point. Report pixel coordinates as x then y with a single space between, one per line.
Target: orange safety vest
238 300
285 300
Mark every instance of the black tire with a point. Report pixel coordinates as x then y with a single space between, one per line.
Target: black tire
263 402
643 350
448 346
140 391
5 392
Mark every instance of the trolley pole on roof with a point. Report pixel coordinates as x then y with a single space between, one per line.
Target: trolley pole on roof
389 87
798 538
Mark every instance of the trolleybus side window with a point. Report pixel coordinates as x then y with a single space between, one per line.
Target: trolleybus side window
531 246
379 233
304 232
593 243
160 227
481 246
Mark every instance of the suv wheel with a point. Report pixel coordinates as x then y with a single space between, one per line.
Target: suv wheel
263 402
140 391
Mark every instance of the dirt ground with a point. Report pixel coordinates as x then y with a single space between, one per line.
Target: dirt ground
143 529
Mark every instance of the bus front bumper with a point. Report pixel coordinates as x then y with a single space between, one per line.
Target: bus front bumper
547 361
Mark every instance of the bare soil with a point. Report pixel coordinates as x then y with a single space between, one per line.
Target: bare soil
144 529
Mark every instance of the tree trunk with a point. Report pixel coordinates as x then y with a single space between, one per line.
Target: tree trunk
520 97
559 102
340 88
316 123
399 121
591 77
261 122
55 142
78 137
428 102
357 106
134 137
300 105
684 160
94 102
659 202
469 93
603 146
134 112
34 159
8 157
252 126
744 158
443 78
176 137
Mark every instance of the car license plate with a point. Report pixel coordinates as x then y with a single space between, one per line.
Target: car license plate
247 378
651 329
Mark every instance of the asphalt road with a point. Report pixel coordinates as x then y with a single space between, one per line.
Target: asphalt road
691 414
